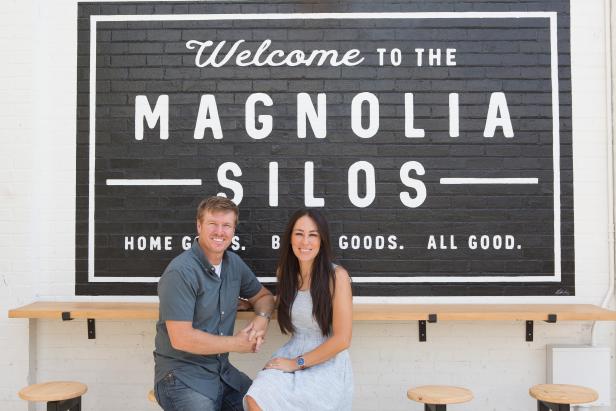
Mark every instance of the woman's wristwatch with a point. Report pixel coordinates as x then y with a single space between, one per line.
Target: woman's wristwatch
300 362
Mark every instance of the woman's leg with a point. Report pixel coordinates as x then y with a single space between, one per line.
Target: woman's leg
252 404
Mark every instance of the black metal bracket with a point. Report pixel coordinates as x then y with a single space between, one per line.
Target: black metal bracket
66 316
91 329
529 330
422 330
552 318
423 333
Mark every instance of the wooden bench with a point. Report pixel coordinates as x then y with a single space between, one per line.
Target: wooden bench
423 313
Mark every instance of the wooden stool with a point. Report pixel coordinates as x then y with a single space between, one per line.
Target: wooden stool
436 397
559 397
59 395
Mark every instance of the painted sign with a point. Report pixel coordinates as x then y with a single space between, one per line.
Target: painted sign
437 142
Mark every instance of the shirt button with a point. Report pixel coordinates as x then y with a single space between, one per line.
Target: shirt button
221 334
222 313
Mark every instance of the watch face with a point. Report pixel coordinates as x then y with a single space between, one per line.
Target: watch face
300 361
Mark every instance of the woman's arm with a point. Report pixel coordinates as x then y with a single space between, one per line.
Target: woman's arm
342 328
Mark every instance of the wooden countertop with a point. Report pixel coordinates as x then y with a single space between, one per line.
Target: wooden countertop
361 312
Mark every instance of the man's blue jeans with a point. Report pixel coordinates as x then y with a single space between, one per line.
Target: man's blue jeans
173 395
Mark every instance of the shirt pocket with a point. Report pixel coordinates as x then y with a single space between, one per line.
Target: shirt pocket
231 298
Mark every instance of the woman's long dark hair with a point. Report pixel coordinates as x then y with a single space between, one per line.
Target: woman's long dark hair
322 277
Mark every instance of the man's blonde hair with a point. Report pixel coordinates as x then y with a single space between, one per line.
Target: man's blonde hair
217 203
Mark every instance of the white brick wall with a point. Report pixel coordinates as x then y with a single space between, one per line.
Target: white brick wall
37 136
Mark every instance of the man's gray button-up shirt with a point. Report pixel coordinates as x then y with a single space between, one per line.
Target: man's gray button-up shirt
190 290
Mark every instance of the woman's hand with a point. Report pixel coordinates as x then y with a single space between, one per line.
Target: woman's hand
282 364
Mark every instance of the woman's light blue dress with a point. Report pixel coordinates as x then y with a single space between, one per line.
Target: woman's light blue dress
326 386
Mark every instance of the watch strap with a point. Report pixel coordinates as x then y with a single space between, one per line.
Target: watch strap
264 314
301 363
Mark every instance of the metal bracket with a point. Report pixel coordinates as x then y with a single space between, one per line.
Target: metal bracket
529 330
66 316
422 330
552 318
91 329
422 327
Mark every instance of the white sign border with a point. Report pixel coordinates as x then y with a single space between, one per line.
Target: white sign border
551 15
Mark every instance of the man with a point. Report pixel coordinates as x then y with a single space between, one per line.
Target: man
198 294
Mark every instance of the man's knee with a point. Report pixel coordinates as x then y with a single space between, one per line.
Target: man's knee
173 394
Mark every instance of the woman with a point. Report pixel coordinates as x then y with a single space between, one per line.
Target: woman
312 371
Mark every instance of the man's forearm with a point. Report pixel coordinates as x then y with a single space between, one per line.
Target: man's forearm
200 342
265 304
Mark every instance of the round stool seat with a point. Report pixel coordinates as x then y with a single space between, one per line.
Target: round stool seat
439 394
152 396
563 393
53 391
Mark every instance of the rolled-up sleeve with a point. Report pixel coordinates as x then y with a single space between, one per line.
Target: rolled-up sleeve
249 286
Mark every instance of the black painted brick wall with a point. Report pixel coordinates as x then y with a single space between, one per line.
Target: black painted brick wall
493 55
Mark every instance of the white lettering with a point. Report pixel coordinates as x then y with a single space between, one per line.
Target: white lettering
409 118
373 123
418 185
309 199
450 57
354 170
434 57
208 118
265 120
498 102
186 242
129 242
273 184
238 190
305 110
419 56
271 58
161 111
454 115
381 52
395 56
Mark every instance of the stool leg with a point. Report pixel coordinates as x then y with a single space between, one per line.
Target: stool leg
550 406
74 404
435 407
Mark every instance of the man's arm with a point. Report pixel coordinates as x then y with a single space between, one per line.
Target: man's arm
263 305
262 302
177 295
184 337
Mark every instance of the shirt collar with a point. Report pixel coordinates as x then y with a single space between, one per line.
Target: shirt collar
198 252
